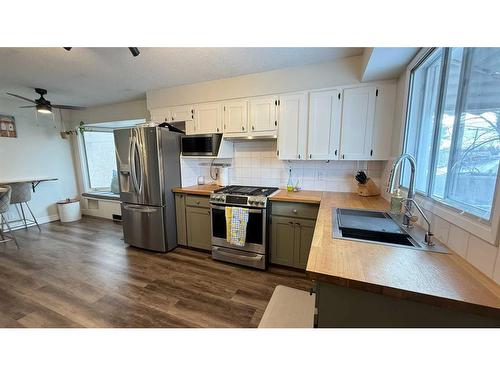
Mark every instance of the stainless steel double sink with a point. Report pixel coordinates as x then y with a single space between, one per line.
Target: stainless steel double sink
379 227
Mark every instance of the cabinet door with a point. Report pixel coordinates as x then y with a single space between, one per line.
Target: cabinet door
292 126
282 240
263 114
181 113
236 116
304 230
160 115
207 118
198 227
324 125
180 218
358 112
385 104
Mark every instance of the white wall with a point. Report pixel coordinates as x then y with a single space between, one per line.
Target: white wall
106 113
38 151
335 73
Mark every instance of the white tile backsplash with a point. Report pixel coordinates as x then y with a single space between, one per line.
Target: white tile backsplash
458 240
482 255
255 163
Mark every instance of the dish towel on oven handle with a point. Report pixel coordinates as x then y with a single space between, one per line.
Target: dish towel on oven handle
236 225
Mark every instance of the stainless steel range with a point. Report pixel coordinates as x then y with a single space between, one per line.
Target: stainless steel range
254 252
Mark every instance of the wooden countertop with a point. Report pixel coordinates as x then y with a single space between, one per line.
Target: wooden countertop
444 280
302 196
197 189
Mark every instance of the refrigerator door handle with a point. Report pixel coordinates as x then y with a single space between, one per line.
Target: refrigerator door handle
133 207
140 153
133 172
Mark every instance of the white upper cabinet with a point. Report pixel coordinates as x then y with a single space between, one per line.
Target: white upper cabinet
160 115
263 114
325 109
207 118
292 129
235 117
358 115
181 113
384 121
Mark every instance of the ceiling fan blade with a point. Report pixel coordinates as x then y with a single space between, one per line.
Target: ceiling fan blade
28 106
21 97
73 107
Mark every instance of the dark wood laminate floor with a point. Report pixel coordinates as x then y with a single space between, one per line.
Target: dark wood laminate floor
83 275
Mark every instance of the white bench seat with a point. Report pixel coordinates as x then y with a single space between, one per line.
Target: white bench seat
289 308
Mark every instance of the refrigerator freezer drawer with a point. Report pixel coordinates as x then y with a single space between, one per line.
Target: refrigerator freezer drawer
143 226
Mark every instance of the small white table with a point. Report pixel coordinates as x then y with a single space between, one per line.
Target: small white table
33 181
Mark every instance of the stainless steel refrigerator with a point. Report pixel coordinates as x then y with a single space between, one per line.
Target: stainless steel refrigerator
148 168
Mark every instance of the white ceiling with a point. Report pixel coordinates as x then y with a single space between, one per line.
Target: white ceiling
96 76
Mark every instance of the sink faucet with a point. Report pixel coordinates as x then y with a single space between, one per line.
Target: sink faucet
408 217
411 188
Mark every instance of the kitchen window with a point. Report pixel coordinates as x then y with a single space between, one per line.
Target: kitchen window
98 156
453 127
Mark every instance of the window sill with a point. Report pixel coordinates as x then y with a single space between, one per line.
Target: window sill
102 195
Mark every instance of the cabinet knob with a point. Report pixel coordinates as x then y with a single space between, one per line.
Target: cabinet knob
217 130
310 156
172 119
198 202
242 128
299 156
335 152
253 127
290 222
275 123
294 211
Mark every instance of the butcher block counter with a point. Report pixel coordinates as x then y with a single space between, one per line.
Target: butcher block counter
197 189
443 280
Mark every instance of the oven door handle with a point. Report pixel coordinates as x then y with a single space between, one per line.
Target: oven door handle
255 258
222 208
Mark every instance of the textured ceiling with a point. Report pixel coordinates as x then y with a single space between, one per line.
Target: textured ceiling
96 76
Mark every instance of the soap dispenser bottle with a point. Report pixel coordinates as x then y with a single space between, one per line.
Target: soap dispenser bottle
396 201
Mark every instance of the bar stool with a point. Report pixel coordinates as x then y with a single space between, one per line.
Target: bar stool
5 192
21 194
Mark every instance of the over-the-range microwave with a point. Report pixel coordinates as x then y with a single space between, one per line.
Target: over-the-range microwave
201 145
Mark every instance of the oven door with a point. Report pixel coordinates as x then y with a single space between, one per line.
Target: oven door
255 240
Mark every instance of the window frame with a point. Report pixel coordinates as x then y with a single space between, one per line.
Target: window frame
88 187
488 230
105 127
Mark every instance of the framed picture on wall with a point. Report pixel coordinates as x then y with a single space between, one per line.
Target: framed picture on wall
7 126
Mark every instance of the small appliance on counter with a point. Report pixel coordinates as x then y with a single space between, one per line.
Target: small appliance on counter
366 186
222 176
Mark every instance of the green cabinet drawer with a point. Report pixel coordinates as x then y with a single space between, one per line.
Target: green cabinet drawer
291 209
197 201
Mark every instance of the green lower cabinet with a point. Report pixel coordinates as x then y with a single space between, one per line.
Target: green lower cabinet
282 240
304 230
291 240
198 227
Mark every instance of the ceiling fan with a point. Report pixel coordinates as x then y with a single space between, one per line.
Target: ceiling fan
43 105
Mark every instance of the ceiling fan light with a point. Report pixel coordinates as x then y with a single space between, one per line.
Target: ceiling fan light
43 108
